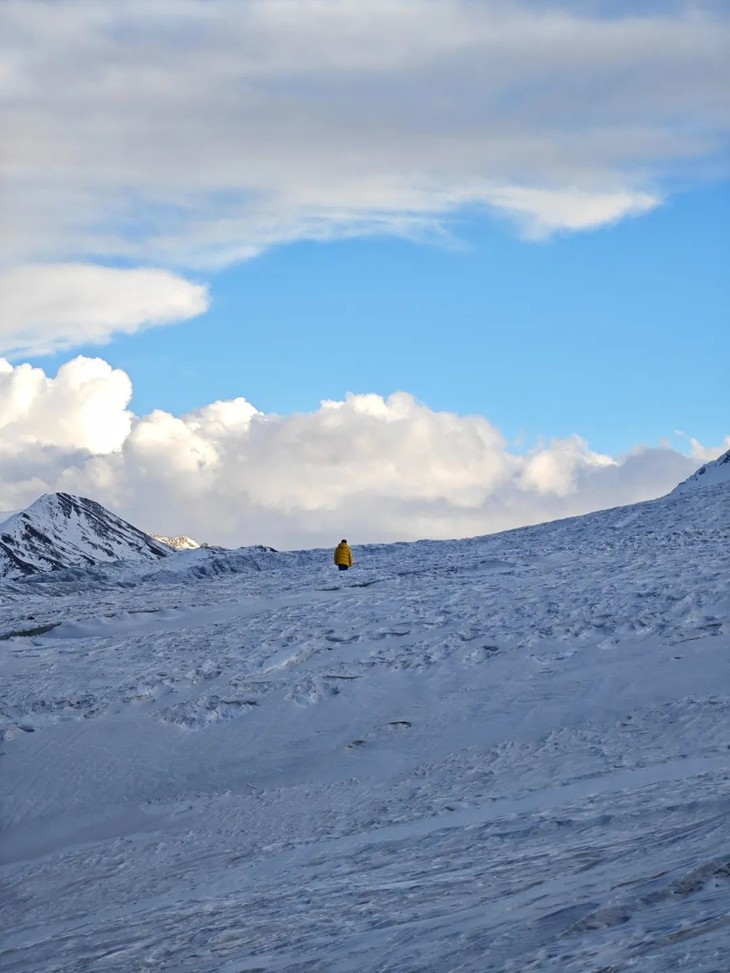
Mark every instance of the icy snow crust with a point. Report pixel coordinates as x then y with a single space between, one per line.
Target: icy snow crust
504 754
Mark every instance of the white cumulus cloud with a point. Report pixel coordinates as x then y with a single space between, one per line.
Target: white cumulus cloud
705 453
369 467
84 407
44 307
554 469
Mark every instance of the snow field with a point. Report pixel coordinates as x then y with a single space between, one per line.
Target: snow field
505 754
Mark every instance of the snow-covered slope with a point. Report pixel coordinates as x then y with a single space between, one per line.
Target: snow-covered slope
718 471
60 530
503 754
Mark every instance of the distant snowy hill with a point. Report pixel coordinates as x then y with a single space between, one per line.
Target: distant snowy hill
60 530
179 543
718 471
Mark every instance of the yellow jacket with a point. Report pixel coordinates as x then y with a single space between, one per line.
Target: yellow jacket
343 554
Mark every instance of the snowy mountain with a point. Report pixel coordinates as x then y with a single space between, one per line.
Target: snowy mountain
60 530
508 754
718 471
179 543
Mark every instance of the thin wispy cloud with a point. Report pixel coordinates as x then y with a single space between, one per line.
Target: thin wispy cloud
200 132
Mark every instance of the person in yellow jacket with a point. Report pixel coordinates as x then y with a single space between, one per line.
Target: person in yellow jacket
343 555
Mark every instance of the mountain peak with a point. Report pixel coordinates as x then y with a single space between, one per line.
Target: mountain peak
179 543
60 530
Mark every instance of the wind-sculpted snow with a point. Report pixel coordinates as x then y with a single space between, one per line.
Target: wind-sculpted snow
504 754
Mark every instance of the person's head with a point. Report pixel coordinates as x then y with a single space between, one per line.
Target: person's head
343 541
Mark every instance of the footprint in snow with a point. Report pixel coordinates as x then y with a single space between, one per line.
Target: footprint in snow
386 729
9 732
341 639
480 654
310 690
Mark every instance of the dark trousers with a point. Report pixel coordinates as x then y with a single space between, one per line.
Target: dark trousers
343 567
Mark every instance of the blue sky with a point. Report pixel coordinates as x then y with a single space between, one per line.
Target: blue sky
491 238
620 334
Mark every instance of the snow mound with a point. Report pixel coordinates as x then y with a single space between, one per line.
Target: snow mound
209 562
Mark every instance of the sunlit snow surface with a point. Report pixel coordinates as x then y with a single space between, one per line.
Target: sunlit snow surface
511 753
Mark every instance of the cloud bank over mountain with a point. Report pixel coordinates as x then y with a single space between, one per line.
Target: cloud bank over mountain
368 467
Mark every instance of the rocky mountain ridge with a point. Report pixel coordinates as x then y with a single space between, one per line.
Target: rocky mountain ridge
60 530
